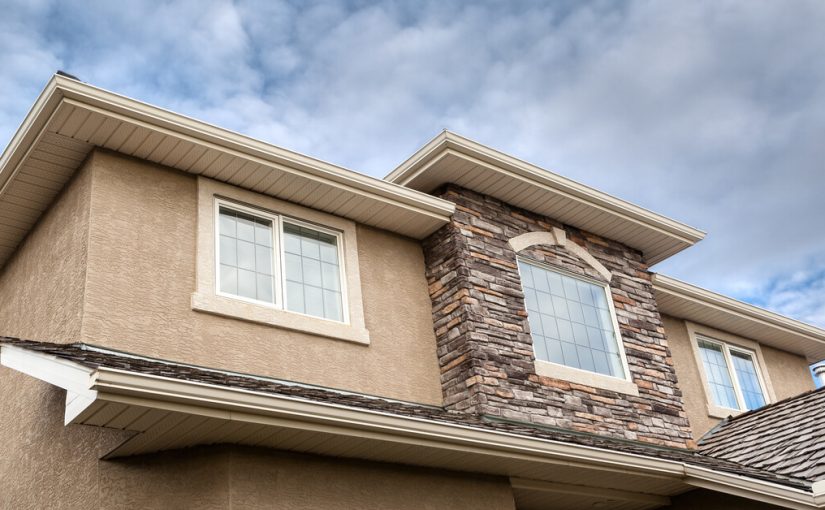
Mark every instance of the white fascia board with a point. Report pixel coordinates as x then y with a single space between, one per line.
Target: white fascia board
447 140
72 377
23 140
105 384
719 302
230 140
749 488
244 403
118 382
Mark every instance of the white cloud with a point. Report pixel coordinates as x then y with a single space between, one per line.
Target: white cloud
709 111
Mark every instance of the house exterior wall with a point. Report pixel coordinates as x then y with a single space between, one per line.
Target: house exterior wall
113 264
142 274
47 273
484 345
235 477
788 374
48 465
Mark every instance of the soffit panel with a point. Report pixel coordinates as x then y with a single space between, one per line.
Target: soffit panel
732 321
75 118
452 159
159 430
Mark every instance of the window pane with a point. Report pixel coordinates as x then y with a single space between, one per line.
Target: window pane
332 305
245 255
570 322
295 296
745 370
229 279
247 284
716 369
228 248
311 264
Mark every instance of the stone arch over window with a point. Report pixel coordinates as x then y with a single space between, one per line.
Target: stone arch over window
558 237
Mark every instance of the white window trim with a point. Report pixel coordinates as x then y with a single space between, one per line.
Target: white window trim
275 219
206 297
698 333
578 375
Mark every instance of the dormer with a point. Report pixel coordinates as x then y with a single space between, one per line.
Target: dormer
542 299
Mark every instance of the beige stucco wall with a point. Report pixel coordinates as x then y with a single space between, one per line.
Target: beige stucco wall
709 500
232 477
141 275
47 273
47 465
42 463
788 374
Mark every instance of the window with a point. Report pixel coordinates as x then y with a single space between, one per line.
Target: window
740 388
571 321
250 246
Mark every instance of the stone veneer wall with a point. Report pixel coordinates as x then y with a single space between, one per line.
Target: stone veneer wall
484 346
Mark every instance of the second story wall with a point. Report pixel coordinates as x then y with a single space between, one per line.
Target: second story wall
140 276
782 373
42 286
488 355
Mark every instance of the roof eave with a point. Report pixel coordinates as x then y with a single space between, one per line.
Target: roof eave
810 338
404 210
681 236
124 388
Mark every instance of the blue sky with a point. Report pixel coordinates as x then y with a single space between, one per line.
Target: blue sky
711 112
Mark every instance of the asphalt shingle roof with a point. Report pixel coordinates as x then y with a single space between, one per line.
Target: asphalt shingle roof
786 438
94 357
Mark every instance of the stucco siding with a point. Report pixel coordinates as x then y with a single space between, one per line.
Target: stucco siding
788 374
234 477
48 465
141 277
43 463
41 287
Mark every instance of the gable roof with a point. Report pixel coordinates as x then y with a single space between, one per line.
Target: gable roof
107 371
786 438
451 158
71 118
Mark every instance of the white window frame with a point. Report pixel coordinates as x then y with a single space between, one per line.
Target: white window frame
737 386
279 257
339 245
579 375
698 333
276 239
208 299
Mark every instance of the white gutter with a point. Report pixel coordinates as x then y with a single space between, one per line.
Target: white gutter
735 308
60 88
447 140
231 403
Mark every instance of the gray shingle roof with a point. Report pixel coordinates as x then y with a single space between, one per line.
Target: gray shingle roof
94 357
786 438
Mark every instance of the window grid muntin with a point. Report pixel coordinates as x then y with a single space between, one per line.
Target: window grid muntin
330 287
278 257
717 372
606 343
274 226
741 402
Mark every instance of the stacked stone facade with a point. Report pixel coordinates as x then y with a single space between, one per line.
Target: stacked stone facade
484 344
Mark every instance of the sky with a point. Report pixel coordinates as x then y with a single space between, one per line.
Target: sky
710 112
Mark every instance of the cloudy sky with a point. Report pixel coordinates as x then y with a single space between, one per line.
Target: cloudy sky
711 112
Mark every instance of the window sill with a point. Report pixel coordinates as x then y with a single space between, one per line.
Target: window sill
251 312
585 378
721 413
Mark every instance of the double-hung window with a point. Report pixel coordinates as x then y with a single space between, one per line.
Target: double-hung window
732 375
571 321
279 262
